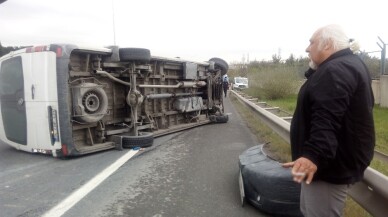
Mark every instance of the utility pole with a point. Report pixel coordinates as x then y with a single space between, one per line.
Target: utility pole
383 52
114 26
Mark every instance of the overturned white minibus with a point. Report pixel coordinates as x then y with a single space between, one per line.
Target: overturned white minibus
68 100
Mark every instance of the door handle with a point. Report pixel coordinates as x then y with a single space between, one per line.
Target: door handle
32 91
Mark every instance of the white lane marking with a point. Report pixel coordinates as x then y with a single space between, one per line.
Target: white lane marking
76 196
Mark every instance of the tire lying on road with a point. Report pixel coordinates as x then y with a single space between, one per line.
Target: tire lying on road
265 184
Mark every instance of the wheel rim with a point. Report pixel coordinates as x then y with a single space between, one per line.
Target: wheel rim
91 102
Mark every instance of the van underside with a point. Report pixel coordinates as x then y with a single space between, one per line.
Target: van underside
125 98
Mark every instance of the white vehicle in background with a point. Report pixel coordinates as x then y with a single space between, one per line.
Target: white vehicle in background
68 100
240 83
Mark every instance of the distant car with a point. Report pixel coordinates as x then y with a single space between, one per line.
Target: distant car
240 83
268 186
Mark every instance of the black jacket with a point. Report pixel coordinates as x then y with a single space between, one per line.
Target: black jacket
333 121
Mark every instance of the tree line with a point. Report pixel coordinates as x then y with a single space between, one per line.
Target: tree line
6 50
299 64
279 78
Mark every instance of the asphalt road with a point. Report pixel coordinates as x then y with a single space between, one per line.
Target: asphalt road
190 173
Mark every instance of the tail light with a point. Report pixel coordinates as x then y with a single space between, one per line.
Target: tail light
36 49
53 125
65 152
58 51
55 48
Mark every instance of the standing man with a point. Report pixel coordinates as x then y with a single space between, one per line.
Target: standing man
225 84
332 130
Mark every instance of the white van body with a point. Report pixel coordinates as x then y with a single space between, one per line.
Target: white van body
38 82
240 83
67 100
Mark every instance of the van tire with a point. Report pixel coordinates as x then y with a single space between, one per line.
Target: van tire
143 140
135 54
220 64
91 103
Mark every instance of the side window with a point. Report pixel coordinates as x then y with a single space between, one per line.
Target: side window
13 109
11 76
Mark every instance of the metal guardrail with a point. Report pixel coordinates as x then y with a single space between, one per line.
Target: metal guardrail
371 193
276 110
381 156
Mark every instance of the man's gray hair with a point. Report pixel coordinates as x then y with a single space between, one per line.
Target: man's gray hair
337 36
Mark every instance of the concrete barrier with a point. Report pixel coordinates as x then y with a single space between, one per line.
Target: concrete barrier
384 91
376 90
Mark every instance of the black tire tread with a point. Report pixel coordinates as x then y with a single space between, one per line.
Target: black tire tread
144 140
264 177
135 54
220 64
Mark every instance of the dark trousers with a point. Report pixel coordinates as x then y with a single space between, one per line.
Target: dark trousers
225 90
226 87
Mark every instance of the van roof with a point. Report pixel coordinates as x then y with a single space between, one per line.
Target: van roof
95 49
67 47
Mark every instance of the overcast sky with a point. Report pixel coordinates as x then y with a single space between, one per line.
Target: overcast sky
192 29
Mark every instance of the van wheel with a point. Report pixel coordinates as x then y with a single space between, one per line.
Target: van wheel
135 54
220 64
143 140
90 103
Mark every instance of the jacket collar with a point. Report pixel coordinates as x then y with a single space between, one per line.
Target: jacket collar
309 72
337 54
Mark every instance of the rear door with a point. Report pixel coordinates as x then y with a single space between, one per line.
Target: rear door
13 109
40 93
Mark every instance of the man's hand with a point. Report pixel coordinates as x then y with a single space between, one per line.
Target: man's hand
302 169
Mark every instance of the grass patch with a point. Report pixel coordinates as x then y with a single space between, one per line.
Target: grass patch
353 209
274 83
381 126
380 166
288 103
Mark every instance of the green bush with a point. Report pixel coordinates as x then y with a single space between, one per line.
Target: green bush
274 82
